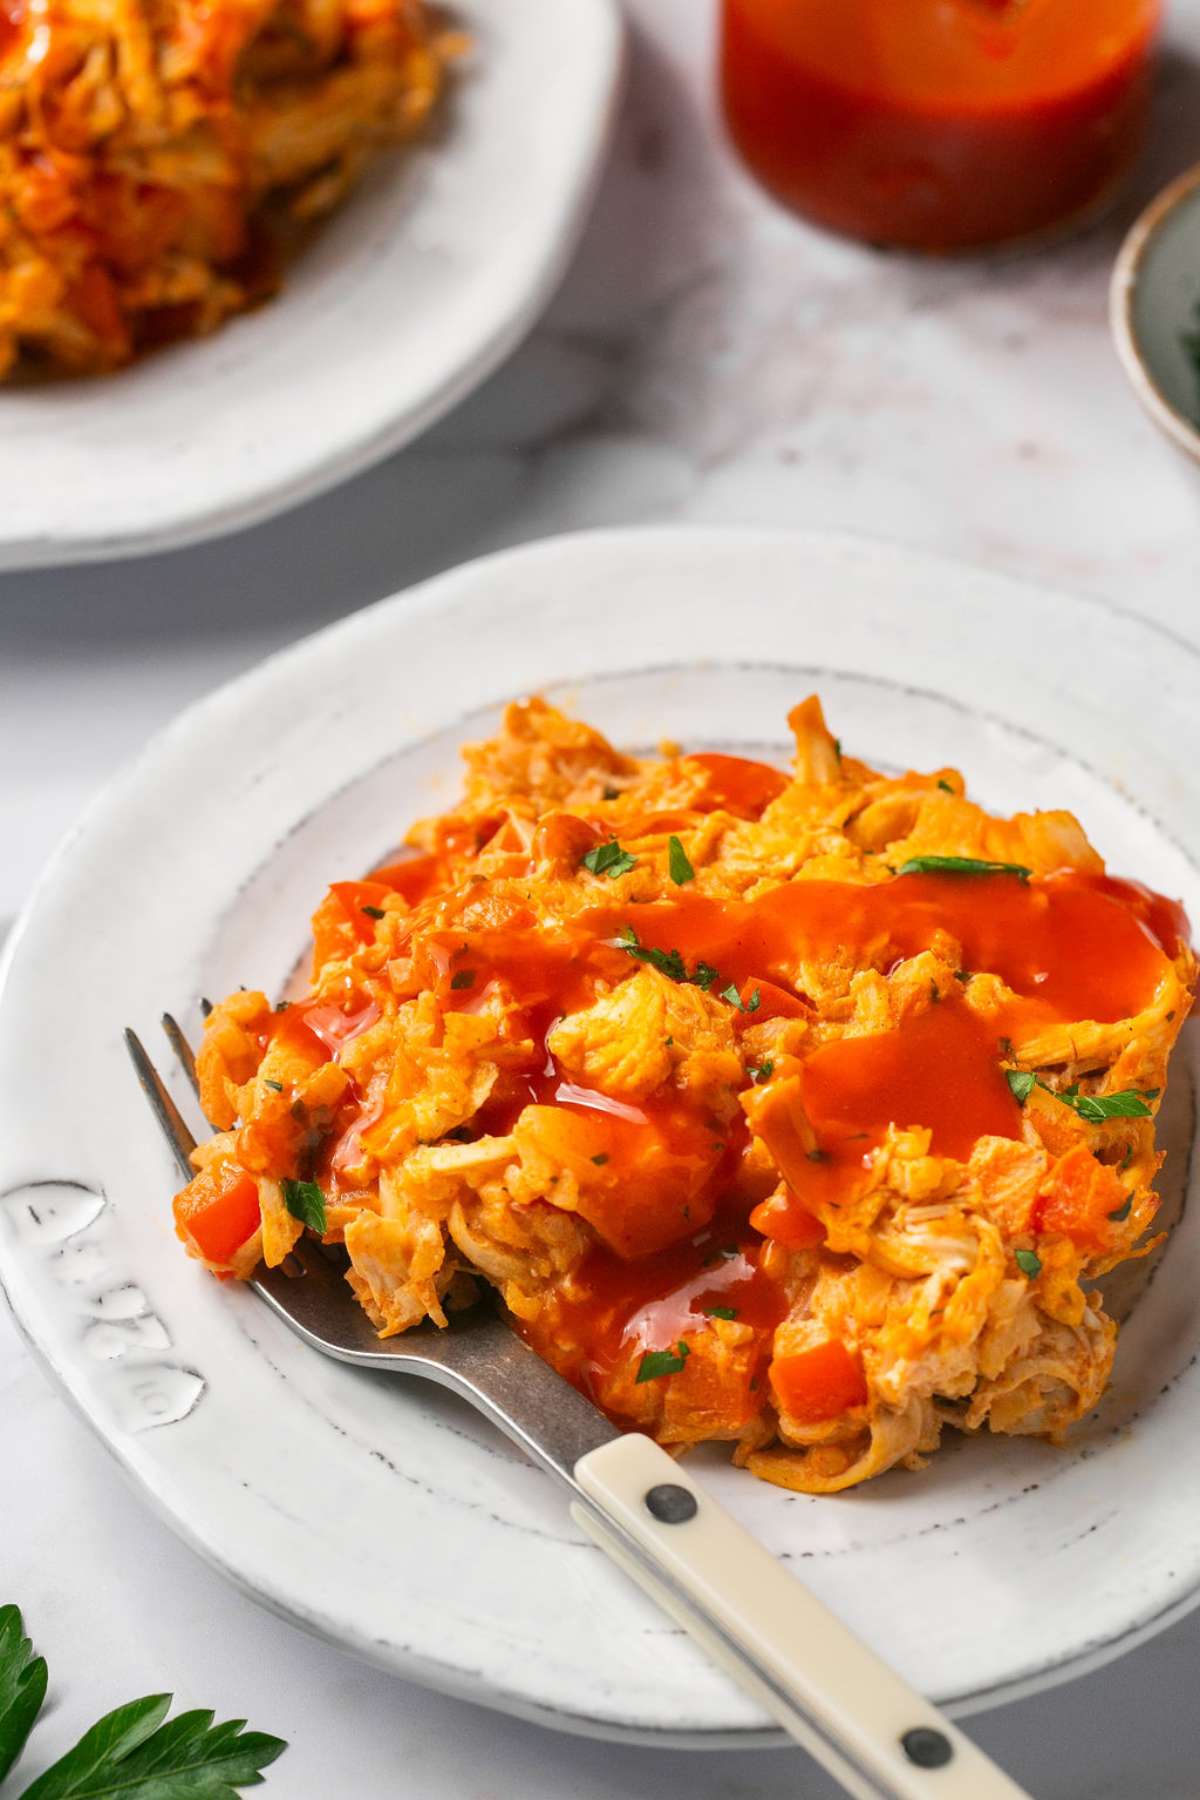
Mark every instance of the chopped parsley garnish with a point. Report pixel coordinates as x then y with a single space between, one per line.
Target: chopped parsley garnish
600 1160
668 962
464 979
372 912
678 866
280 1005
762 1071
1022 1083
277 1085
612 793
734 998
305 1201
656 1363
837 748
963 975
721 1312
1122 1211
945 786
609 859
1028 1263
1128 1158
961 865
1093 1108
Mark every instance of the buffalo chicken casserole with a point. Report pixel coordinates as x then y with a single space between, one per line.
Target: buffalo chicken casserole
793 1111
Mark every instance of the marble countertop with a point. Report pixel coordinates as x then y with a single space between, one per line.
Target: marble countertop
708 359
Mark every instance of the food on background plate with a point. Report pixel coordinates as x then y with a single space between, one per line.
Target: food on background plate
792 1111
159 157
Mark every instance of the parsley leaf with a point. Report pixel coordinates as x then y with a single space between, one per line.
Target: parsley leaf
277 1085
1028 1263
678 866
1122 1212
762 1071
600 1160
609 859
305 1201
721 1312
656 1363
131 1752
1095 1108
945 786
464 979
668 962
1022 1082
373 912
22 1686
960 865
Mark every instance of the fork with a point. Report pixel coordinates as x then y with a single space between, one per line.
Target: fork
850 1710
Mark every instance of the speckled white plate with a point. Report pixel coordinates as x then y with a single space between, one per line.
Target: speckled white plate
412 293
380 1513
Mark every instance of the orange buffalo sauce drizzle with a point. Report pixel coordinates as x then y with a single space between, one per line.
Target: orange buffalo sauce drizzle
660 1182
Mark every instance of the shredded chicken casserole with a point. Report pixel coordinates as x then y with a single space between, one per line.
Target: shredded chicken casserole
794 1112
158 156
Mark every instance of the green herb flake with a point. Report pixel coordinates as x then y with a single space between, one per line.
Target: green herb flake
1122 1212
612 793
1095 1108
837 748
1028 1263
963 975
720 1312
609 859
678 866
1126 1160
1021 1084
762 1071
280 1005
703 976
600 1160
305 1201
657 1363
464 979
276 1085
945 786
961 865
137 1751
22 1687
372 912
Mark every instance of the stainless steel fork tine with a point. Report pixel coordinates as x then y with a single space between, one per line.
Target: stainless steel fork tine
163 1107
182 1049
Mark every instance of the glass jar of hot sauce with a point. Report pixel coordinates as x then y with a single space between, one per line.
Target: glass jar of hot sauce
939 125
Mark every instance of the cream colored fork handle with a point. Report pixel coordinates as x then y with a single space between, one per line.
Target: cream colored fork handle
833 1695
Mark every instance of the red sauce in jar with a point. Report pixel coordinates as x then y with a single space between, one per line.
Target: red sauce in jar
937 124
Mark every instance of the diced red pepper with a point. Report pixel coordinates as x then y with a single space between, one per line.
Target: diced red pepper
783 1218
221 1224
1079 1200
818 1384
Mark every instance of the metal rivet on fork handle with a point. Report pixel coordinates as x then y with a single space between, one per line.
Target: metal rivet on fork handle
928 1748
671 1504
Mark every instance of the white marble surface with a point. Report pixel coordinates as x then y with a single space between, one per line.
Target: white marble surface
710 360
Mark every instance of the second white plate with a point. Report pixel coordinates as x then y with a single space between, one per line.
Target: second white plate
412 293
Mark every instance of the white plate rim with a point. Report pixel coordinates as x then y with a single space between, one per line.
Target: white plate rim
427 599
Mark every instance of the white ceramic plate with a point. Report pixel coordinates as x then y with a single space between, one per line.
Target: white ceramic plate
380 1513
411 294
